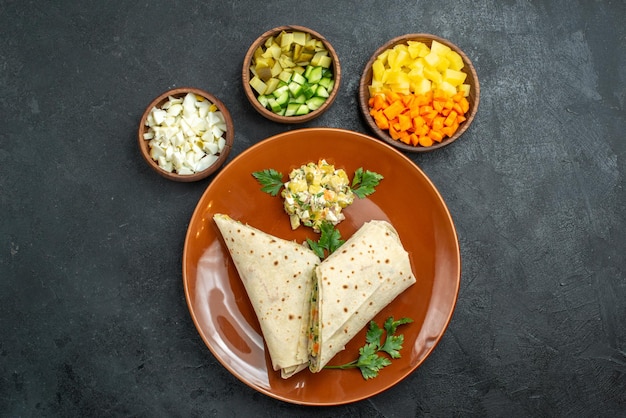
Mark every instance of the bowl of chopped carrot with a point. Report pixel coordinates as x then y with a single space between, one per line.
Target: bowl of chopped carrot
419 92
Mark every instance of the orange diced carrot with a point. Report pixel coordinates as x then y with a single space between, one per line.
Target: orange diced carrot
448 131
379 102
435 135
381 120
438 123
392 96
429 117
414 111
418 122
458 96
404 137
421 100
439 95
464 104
394 109
393 132
426 109
425 141
451 118
404 122
407 99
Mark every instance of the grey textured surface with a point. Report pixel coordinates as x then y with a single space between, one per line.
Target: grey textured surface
93 320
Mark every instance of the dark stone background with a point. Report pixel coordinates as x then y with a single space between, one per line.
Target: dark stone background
93 319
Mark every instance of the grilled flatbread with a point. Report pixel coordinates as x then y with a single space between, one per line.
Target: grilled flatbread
277 275
353 285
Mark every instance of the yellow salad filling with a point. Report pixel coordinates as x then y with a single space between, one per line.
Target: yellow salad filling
316 192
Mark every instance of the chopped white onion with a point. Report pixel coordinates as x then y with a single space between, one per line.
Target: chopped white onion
186 134
205 162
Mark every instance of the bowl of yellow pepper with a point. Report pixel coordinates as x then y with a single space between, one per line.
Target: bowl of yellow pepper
419 92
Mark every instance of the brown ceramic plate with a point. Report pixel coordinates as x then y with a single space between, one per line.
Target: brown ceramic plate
219 305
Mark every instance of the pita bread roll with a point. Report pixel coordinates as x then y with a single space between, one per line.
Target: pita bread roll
353 285
277 275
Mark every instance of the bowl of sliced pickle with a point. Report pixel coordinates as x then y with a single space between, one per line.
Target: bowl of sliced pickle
291 74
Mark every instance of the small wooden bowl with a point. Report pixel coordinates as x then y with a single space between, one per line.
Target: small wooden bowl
229 136
252 95
366 80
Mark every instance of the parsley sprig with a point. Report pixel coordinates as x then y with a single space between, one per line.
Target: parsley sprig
330 240
270 179
365 182
370 362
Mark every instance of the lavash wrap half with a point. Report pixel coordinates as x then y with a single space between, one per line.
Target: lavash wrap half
353 285
277 275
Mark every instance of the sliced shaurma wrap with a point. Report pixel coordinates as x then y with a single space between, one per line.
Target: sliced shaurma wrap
353 285
277 275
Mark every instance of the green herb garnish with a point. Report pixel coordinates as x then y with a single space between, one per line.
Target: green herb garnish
370 361
270 179
330 240
364 182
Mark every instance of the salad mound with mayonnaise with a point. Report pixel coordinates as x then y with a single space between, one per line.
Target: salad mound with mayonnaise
316 192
